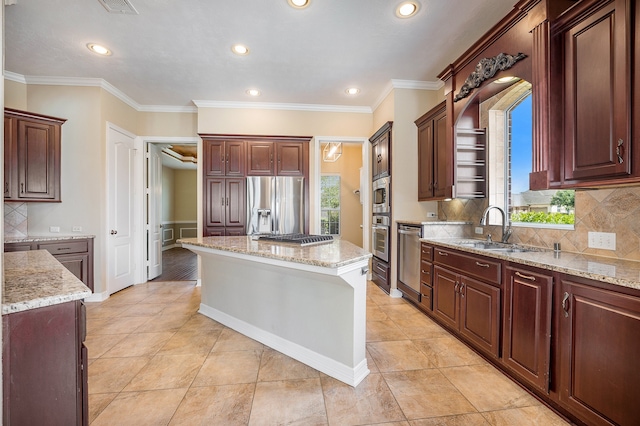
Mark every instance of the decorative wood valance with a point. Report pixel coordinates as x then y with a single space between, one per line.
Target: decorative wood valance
486 69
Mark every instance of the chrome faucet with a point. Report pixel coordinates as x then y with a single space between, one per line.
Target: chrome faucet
506 229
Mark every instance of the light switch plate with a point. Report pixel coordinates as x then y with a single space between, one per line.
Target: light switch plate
602 240
54 229
77 229
431 214
479 230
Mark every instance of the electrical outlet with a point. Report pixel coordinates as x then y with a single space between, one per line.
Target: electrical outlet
77 229
479 230
602 240
54 229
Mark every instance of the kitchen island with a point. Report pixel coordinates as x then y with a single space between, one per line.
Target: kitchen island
306 302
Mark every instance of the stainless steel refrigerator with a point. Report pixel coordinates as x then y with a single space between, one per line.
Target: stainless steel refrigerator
275 204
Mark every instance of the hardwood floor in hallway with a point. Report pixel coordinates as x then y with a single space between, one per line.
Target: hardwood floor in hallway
178 264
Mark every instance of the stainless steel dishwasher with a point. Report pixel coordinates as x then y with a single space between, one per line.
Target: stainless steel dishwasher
409 260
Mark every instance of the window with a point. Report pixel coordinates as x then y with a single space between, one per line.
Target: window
510 159
330 204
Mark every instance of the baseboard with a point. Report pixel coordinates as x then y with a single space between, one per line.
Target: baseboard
171 246
97 297
351 376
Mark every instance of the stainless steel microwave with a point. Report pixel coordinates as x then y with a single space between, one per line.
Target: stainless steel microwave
382 195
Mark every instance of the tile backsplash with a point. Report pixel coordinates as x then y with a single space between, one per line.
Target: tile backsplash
614 210
15 220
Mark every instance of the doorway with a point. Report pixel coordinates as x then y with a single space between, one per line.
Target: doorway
352 165
171 206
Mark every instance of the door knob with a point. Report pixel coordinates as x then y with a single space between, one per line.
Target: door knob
114 232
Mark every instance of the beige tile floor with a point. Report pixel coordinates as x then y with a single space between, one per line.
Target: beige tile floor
155 361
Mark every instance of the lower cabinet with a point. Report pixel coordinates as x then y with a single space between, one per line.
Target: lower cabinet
598 353
465 304
45 366
380 274
526 342
75 254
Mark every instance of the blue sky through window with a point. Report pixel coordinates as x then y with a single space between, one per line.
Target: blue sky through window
521 146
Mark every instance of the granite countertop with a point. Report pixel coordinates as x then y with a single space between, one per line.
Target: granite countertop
34 238
34 279
625 273
329 255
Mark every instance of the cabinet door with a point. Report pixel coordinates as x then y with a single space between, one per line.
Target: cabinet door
382 156
445 296
426 161
10 159
235 202
440 155
214 158
527 325
290 158
260 158
599 347
597 96
480 314
214 202
78 264
38 160
234 231
214 232
234 158
380 274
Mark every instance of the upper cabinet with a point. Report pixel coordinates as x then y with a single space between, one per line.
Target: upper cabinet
224 158
32 156
432 150
260 158
595 39
381 151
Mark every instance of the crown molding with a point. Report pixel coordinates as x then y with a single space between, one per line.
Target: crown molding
283 106
105 85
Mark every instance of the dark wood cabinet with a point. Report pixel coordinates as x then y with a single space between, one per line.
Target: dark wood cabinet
426 276
224 158
380 274
432 154
526 347
45 366
290 157
596 43
260 158
465 303
224 202
381 151
32 156
599 347
75 254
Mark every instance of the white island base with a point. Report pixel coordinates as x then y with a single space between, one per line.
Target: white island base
314 314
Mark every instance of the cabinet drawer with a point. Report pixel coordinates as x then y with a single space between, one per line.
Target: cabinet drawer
9 247
381 270
425 298
65 247
426 253
475 266
425 272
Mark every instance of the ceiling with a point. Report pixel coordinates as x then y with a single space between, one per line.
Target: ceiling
174 52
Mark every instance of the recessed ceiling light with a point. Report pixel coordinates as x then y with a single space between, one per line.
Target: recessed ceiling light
240 49
407 9
253 92
299 4
352 91
100 50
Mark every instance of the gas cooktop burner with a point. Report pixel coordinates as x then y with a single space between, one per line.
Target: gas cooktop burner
300 239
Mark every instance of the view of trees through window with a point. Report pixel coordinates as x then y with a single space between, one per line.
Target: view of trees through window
330 204
549 207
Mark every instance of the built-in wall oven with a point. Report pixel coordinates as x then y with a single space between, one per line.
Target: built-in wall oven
409 260
382 196
380 238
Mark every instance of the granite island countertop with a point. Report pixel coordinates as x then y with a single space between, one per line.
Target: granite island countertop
333 254
34 279
38 238
625 273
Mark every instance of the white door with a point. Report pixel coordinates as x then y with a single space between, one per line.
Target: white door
154 211
121 177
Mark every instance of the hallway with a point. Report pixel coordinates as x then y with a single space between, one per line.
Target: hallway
155 361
